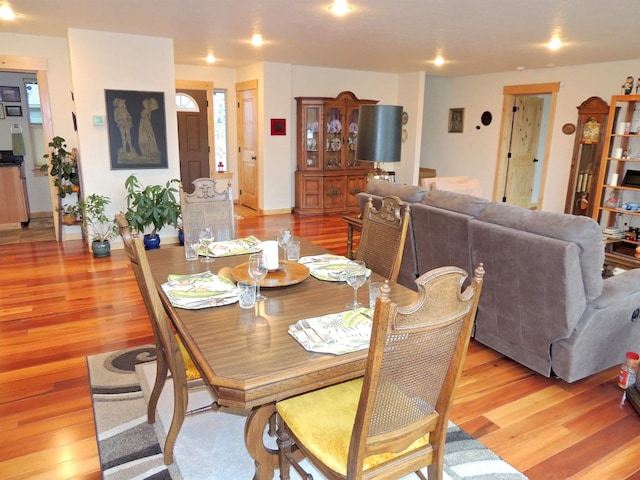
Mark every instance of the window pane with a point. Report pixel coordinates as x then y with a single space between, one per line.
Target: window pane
220 127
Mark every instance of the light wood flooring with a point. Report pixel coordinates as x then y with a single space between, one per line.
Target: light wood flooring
58 304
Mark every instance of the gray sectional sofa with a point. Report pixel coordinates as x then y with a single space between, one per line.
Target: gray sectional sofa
544 301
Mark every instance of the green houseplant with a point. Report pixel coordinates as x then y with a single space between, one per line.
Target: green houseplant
98 226
152 206
63 167
70 213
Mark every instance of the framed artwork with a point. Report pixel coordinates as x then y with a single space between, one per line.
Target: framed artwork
456 120
136 124
9 94
278 126
1 110
13 110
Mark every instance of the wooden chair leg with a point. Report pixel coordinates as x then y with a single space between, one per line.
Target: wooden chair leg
162 371
180 401
285 443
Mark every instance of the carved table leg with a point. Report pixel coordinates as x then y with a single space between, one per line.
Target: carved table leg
265 459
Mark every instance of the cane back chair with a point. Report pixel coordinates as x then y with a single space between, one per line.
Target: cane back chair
383 235
393 421
207 206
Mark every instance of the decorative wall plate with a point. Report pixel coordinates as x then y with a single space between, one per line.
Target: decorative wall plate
568 128
486 118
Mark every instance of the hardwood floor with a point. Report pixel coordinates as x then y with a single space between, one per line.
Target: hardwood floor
58 304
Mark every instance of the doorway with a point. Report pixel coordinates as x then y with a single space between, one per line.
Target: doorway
38 66
523 154
248 165
195 138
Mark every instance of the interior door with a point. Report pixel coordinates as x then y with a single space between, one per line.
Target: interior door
193 138
248 164
524 149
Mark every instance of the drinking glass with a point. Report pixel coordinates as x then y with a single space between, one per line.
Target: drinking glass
258 269
284 238
205 236
356 276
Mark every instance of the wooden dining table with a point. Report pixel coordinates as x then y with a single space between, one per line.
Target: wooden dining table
247 356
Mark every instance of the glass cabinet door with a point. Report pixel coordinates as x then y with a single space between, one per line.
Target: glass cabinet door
352 137
334 138
312 140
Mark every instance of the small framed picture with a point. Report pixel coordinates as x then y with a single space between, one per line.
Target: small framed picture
278 126
9 94
1 110
13 110
456 120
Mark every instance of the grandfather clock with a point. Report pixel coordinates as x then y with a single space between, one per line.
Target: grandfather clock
587 156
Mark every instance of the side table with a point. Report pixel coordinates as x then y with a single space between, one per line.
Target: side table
352 223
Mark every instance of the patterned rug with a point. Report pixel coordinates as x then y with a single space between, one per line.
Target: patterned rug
210 446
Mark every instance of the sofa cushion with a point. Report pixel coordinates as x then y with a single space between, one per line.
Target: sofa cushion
407 193
583 231
456 202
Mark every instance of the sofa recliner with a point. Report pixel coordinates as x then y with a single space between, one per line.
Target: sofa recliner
544 303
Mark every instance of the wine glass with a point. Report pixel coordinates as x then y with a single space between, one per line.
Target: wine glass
356 275
284 238
205 237
258 270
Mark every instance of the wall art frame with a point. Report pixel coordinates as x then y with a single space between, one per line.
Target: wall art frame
456 120
13 110
278 126
9 94
137 129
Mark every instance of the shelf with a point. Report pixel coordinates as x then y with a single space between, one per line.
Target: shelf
622 187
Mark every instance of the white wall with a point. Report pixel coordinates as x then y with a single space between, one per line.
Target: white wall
474 152
131 62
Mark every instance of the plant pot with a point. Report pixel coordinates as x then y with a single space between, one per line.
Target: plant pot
69 219
181 237
101 248
151 243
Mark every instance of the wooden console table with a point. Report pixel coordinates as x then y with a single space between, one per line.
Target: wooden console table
352 223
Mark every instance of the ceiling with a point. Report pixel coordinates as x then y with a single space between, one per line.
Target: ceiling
377 35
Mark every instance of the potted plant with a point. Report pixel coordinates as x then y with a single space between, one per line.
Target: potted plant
98 226
151 206
70 213
63 167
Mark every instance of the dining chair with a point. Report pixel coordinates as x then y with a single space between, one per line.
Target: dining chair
393 421
383 234
171 355
210 207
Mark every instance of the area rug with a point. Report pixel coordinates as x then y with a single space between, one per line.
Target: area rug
210 445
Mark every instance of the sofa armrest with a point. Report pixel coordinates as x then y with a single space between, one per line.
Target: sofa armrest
617 289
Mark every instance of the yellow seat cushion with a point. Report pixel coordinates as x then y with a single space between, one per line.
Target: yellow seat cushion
192 371
323 421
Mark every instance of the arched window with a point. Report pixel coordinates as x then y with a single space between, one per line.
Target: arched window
186 103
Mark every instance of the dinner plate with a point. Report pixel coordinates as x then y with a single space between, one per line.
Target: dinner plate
292 273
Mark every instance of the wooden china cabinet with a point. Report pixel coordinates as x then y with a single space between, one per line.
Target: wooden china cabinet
587 157
329 178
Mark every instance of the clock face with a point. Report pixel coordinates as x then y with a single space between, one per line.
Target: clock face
591 131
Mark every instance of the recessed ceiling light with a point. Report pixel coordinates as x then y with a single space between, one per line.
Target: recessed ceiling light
439 61
257 40
211 58
6 13
555 43
340 8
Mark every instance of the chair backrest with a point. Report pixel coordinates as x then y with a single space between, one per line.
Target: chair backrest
415 359
383 235
162 332
207 206
165 338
